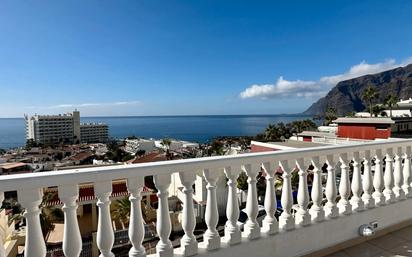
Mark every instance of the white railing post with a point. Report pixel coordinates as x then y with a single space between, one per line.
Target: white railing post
367 182
344 205
30 199
302 216
232 231
407 172
398 176
378 180
270 225
136 227
388 178
72 239
164 247
211 236
188 242
356 185
286 219
105 233
331 209
2 231
316 211
251 229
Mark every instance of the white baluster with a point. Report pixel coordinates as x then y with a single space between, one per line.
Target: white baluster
30 199
105 234
211 236
286 219
2 232
302 216
164 247
388 178
331 209
378 180
72 240
367 182
251 229
188 242
136 227
270 225
407 173
356 185
232 231
398 176
344 205
316 211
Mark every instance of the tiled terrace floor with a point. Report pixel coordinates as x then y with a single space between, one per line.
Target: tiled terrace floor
394 244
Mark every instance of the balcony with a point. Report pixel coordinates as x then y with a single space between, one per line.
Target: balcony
379 192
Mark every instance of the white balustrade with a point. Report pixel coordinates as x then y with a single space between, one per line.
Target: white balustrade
2 232
302 216
370 193
211 236
188 241
270 224
407 172
232 231
316 211
345 208
286 219
367 182
164 247
398 176
331 209
356 185
136 227
388 178
251 229
30 199
72 240
378 180
105 233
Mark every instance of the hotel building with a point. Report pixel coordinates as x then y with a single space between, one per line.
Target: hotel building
64 128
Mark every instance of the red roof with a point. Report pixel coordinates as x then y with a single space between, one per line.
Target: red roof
86 193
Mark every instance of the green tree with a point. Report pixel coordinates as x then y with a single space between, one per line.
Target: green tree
377 109
369 95
121 211
330 115
391 101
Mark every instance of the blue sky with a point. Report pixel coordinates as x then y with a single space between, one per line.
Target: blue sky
191 57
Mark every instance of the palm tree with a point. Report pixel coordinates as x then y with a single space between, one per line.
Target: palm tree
330 115
48 215
390 102
121 211
166 142
369 95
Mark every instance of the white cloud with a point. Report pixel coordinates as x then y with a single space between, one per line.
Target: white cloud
94 104
302 88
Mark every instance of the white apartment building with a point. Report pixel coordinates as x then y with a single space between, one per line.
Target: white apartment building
133 145
94 132
63 128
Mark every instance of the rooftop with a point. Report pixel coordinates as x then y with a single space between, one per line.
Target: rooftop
364 120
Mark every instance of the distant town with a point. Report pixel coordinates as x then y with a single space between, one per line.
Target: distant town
61 142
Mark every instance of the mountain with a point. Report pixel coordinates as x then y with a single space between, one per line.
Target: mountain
346 96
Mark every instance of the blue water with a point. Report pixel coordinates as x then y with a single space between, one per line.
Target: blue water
191 128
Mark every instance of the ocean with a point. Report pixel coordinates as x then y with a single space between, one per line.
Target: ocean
191 128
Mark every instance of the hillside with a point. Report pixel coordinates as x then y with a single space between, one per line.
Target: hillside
346 96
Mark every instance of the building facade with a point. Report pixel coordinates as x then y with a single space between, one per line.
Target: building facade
63 128
94 132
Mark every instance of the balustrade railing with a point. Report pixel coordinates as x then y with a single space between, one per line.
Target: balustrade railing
371 175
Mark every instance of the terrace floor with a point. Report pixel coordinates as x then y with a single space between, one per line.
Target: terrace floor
394 244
